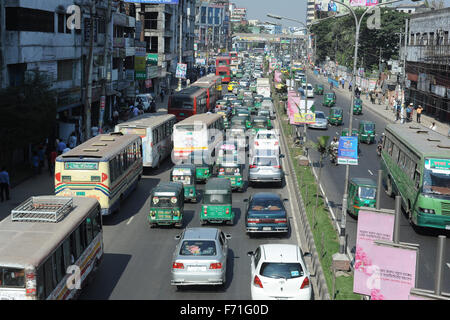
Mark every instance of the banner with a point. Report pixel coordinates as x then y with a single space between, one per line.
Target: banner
140 63
372 226
348 150
181 70
302 118
152 59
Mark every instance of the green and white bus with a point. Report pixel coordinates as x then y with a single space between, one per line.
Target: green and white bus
416 166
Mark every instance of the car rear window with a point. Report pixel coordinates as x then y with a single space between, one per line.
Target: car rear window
320 116
266 204
281 270
198 248
12 277
266 161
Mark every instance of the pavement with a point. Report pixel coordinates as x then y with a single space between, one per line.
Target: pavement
42 184
387 113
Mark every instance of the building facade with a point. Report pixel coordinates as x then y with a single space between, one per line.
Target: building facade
428 62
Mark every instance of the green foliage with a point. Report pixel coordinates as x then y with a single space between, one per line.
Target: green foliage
28 114
240 28
336 39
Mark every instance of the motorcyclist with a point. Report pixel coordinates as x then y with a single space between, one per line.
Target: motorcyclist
334 146
380 144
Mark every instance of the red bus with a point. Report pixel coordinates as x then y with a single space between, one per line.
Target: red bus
224 73
223 61
212 84
187 102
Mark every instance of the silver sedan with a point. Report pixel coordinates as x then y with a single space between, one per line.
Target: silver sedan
321 121
200 257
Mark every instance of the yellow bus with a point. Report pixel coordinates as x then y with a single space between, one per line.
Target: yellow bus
106 167
49 248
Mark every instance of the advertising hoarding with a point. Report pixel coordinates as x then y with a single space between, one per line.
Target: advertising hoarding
348 150
181 70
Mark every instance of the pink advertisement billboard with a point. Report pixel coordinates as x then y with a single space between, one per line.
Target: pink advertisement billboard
372 226
393 271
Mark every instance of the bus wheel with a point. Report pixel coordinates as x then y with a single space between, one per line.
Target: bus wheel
388 187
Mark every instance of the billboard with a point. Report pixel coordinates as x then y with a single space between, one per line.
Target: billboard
181 70
140 63
348 150
363 3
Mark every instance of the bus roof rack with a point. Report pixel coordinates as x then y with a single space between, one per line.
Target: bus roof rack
42 209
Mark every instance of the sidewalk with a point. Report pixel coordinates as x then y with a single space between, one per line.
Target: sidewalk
388 115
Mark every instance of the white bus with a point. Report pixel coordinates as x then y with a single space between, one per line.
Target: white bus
156 133
43 242
199 132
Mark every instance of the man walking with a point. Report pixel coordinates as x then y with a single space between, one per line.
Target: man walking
419 113
4 184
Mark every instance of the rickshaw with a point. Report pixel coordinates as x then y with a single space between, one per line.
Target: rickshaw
261 123
258 101
329 99
166 204
366 131
335 116
217 202
362 192
203 166
186 174
318 89
357 106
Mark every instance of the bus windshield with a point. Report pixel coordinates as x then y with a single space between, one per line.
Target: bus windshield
182 103
436 176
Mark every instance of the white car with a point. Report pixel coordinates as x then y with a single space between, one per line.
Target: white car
278 272
265 139
309 90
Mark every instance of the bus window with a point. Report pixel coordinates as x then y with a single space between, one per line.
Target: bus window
66 254
59 264
40 283
89 230
48 276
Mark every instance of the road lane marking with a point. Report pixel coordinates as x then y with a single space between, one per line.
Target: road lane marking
129 220
370 172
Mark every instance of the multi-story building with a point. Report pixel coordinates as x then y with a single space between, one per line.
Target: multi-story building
211 28
238 15
163 34
428 62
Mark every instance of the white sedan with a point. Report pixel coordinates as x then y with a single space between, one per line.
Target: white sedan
309 90
278 272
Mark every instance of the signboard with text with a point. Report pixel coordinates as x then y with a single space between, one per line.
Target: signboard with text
348 150
181 70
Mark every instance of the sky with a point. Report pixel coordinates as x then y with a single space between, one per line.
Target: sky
295 9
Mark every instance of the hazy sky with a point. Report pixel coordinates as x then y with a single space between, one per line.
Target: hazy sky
295 9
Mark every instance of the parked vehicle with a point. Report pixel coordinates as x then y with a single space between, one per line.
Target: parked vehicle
361 193
335 116
329 99
266 213
278 272
167 204
217 202
200 257
186 174
366 132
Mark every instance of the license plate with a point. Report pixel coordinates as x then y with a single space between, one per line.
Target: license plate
81 193
447 227
267 228
197 269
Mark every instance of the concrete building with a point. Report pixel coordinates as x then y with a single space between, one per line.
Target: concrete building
161 33
212 28
411 7
238 15
428 62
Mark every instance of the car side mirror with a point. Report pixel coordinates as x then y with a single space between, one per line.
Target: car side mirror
307 254
177 237
250 253
281 156
228 236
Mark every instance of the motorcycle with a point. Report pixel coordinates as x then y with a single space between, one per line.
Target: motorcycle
334 155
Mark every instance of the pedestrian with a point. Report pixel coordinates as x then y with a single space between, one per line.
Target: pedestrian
66 150
408 113
433 126
115 117
4 184
403 113
61 146
72 142
411 114
153 106
342 82
35 163
419 113
331 85
350 86
135 111
397 111
53 156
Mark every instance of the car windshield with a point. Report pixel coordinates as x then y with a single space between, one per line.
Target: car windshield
436 176
12 277
266 161
276 270
320 116
266 204
367 193
198 248
164 202
213 199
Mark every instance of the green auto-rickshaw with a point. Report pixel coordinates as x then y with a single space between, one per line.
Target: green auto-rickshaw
217 202
362 192
248 103
236 120
258 101
318 89
185 173
261 123
366 131
252 87
357 106
166 204
344 132
224 114
230 166
203 165
329 99
335 116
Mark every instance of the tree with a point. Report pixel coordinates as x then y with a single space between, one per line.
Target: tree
28 115
241 28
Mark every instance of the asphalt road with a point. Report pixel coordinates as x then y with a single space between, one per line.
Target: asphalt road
333 178
137 259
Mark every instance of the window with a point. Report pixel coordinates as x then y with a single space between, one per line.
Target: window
66 254
101 25
75 246
61 23
59 264
96 220
151 20
40 283
153 43
48 277
83 236
65 70
257 256
25 19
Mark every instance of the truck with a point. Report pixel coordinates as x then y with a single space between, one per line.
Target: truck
263 87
